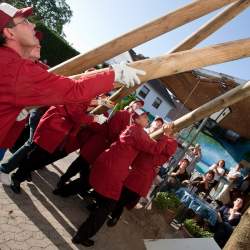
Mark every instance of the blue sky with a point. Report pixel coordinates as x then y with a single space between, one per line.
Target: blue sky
95 22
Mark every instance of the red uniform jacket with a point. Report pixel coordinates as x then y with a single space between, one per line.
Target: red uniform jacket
24 83
105 135
59 126
112 167
141 176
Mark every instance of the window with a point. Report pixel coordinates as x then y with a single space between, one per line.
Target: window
144 92
157 102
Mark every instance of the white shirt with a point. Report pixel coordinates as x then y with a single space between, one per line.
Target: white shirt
221 172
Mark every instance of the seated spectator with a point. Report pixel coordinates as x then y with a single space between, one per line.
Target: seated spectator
202 184
228 219
175 179
233 175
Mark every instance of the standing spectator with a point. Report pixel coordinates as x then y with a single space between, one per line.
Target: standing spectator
218 169
193 154
231 178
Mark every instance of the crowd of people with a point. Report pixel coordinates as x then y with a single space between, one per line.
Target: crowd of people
118 160
224 189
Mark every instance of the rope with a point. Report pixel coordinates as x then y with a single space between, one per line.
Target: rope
190 94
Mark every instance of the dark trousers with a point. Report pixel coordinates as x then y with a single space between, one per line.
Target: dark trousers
37 159
222 233
80 185
96 218
128 198
77 166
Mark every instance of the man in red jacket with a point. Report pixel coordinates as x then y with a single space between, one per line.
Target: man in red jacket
23 83
103 136
141 176
110 170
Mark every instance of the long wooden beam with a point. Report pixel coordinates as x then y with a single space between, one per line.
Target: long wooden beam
138 36
212 25
233 96
184 61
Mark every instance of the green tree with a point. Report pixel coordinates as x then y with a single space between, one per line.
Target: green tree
53 13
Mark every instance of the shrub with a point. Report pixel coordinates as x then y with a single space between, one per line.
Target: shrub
197 231
165 200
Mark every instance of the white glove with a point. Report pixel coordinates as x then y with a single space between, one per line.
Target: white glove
127 75
22 115
100 119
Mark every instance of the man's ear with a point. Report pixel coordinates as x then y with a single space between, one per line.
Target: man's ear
8 33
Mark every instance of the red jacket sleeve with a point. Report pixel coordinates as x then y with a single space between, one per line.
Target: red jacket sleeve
144 143
36 86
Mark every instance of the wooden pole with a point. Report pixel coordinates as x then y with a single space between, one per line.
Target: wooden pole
212 25
240 238
184 61
233 96
138 36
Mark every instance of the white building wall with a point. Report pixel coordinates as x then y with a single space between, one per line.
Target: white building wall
164 107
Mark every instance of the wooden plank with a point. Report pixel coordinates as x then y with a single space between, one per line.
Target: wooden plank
212 25
233 96
184 61
138 36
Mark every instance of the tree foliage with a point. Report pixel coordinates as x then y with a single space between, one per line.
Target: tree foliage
53 13
54 48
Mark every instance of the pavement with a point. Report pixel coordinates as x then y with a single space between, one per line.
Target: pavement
38 220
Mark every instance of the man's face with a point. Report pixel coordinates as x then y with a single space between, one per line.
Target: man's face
23 32
156 124
142 120
136 105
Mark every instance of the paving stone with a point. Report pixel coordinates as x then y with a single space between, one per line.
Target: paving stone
10 228
38 243
4 247
38 235
14 245
4 219
23 236
6 236
16 220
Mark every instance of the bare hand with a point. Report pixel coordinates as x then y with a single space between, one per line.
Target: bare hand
168 129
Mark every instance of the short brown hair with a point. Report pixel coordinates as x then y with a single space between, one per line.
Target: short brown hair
2 39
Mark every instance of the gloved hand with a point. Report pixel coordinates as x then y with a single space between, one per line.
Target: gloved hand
22 115
127 75
100 119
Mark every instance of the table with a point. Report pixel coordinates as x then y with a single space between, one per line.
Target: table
199 206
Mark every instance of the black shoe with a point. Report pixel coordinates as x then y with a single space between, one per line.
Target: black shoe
85 242
112 222
29 177
61 193
15 184
92 207
60 183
